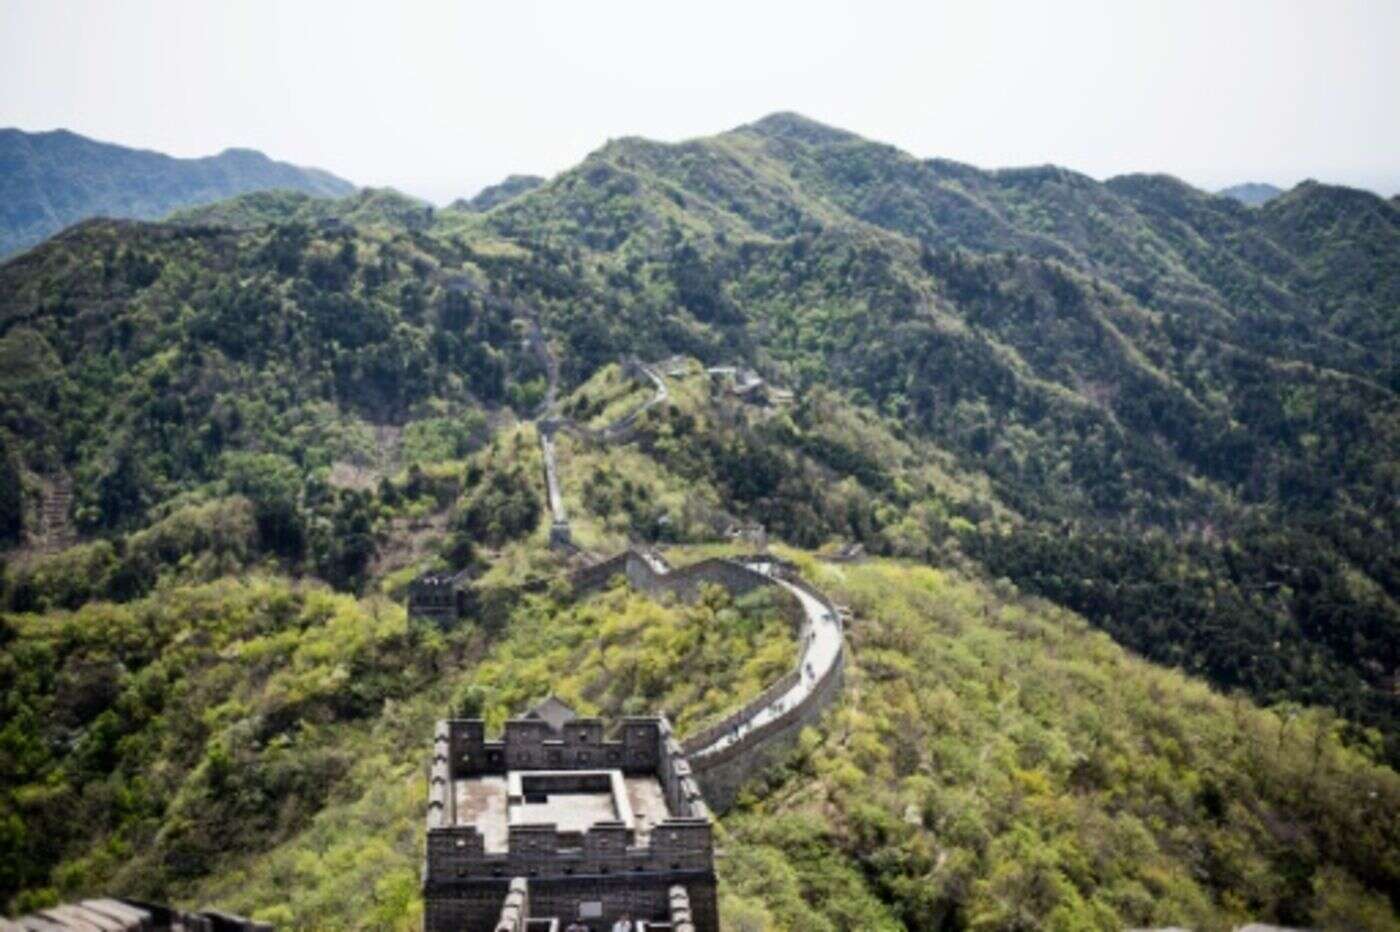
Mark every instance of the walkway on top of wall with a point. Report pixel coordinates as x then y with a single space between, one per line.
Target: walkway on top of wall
547 422
821 649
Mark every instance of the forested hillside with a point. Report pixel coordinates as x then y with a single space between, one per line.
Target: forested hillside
1049 404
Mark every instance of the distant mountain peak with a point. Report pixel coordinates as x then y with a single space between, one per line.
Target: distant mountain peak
1251 193
56 178
786 124
488 197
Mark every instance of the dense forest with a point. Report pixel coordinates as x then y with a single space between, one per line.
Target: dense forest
1049 405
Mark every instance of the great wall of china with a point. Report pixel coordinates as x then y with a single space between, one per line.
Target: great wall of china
550 821
726 753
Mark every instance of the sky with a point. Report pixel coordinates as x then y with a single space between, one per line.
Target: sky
440 99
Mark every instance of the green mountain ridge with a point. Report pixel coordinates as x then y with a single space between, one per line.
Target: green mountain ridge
1132 405
53 179
492 195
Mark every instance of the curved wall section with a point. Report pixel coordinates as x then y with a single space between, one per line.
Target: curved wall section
727 753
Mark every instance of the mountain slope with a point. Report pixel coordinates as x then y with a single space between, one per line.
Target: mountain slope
51 180
1107 362
1167 414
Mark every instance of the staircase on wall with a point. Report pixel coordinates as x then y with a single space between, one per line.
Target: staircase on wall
55 526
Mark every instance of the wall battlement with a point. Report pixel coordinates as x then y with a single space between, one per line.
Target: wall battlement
475 845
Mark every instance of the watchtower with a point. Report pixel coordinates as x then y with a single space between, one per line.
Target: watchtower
559 819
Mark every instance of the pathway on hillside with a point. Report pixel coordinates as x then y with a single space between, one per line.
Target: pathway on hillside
547 421
55 527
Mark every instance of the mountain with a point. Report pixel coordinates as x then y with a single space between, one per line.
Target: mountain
1251 193
491 195
1088 431
51 180
369 207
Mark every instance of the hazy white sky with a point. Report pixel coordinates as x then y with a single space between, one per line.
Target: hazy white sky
439 99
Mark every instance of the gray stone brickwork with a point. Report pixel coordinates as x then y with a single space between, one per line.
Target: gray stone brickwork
610 866
436 597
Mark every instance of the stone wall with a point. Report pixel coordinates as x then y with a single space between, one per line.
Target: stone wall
559 519
596 577
563 897
722 774
716 730
129 915
464 884
687 582
434 597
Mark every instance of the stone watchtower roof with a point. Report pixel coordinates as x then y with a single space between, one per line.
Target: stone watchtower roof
554 712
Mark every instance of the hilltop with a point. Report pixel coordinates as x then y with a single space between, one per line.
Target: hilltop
51 180
1251 193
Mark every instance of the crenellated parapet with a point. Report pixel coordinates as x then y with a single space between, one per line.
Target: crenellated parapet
590 817
437 597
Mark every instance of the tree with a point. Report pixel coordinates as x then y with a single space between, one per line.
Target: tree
272 483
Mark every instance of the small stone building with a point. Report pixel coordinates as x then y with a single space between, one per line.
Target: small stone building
437 597
558 821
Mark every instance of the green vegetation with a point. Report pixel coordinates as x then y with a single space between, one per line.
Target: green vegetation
1171 416
144 741
996 763
1002 766
146 744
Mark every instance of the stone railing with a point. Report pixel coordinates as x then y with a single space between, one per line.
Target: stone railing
621 428
823 691
515 914
708 735
726 752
